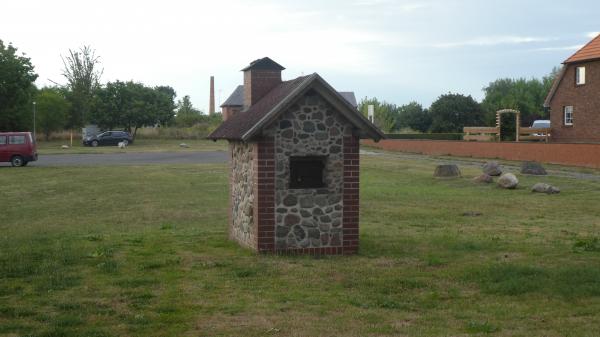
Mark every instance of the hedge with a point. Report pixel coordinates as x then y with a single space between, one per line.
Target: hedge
431 136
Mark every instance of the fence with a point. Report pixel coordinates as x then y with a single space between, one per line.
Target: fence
586 155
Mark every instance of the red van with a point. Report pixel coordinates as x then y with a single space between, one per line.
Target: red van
18 148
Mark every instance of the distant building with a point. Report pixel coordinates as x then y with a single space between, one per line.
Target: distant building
574 99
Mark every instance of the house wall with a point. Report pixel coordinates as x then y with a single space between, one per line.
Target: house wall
242 197
230 111
585 100
310 220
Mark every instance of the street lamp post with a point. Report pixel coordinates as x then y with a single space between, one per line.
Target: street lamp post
34 120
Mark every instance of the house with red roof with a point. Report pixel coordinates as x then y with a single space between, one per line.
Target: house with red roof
574 99
294 162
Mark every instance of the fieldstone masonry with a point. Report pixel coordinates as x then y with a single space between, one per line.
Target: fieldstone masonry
267 213
242 194
309 217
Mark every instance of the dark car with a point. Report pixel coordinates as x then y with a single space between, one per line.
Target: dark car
18 148
109 138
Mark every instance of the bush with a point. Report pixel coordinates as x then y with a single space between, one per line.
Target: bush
198 131
429 136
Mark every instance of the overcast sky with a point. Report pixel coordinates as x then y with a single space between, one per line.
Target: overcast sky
397 51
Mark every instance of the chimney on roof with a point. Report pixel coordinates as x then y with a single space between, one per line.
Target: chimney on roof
211 105
260 77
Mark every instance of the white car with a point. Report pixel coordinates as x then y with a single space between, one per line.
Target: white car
540 124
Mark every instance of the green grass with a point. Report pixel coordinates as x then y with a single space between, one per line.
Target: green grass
144 251
140 145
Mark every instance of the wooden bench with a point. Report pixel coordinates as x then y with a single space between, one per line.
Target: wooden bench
480 134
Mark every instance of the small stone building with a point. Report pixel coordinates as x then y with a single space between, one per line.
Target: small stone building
574 99
294 179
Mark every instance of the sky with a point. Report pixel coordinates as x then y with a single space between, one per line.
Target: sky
398 51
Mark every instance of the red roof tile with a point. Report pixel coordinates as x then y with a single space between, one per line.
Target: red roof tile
590 51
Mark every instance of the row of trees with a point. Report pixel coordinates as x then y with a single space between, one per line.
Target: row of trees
83 99
451 112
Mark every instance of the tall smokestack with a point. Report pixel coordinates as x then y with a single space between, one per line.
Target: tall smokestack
211 106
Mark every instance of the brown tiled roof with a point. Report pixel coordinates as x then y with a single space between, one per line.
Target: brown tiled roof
590 51
236 126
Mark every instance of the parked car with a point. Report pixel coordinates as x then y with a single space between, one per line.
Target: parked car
541 124
108 138
18 148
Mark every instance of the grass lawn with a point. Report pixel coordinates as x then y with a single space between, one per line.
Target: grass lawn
140 145
143 251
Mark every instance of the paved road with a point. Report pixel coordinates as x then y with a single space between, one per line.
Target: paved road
208 157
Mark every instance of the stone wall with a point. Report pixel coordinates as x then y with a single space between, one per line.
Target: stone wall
309 218
242 196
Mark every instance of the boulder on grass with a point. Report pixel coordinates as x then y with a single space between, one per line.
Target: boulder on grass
184 145
508 181
545 188
492 168
446 171
534 168
484 179
64 147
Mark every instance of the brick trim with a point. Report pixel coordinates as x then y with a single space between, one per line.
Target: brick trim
351 195
264 199
314 251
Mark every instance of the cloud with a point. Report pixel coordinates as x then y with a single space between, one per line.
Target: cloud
492 41
402 7
592 35
576 47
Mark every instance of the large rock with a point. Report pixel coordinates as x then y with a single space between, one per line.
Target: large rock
484 179
531 167
545 188
508 181
446 171
492 168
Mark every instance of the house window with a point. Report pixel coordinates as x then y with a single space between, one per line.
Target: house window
307 172
568 115
580 75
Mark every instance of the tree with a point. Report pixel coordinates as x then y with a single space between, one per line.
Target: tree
187 115
17 79
166 104
52 110
385 113
83 78
132 105
524 95
452 112
412 115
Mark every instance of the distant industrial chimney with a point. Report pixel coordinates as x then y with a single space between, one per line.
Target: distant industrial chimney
211 107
